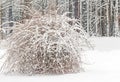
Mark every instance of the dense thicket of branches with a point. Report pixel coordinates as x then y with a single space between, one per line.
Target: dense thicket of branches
43 38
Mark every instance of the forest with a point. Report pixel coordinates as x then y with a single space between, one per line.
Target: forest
97 17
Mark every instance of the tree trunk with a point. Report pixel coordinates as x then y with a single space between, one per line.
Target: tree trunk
108 16
1 33
88 19
116 17
96 18
77 9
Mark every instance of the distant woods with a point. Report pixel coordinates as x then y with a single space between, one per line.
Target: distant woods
98 17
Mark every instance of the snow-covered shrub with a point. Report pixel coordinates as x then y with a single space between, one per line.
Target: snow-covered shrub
45 44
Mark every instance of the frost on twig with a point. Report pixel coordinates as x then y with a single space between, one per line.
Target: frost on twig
45 44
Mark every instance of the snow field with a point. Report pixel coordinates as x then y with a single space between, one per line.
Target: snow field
101 65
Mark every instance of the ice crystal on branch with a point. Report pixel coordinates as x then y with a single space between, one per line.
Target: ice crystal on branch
47 43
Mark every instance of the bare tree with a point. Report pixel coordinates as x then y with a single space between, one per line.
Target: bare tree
98 17
77 9
116 17
107 14
0 21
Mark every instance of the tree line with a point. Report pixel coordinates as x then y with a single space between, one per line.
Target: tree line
97 17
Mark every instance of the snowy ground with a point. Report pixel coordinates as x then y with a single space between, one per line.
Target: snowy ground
103 66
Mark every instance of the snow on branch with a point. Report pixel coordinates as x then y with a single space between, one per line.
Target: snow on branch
47 43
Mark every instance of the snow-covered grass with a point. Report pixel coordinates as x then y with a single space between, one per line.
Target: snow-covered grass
102 65
106 43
